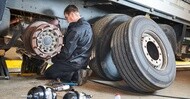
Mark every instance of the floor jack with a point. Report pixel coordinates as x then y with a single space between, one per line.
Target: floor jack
4 73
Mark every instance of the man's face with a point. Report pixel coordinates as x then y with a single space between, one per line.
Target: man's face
69 17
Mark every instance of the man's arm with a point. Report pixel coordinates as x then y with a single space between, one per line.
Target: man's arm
69 47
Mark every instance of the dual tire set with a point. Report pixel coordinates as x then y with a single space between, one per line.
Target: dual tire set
136 50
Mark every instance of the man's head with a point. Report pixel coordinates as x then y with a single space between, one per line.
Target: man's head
71 13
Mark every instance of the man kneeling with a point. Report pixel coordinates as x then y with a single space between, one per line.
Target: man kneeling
71 63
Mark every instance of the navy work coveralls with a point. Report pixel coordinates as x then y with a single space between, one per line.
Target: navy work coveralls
75 54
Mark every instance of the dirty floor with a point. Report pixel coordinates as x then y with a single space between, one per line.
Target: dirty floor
18 86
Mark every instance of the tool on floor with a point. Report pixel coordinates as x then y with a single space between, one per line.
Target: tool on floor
59 82
76 95
41 92
61 88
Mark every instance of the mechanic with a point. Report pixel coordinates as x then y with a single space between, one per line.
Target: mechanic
70 65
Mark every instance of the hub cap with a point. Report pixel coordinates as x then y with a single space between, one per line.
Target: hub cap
153 50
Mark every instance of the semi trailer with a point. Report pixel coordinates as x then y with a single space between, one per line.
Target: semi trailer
136 41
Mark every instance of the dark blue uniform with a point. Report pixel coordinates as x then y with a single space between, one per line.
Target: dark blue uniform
76 52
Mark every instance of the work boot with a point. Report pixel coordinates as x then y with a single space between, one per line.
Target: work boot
83 75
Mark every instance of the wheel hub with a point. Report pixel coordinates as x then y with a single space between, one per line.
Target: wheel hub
43 39
153 51
46 41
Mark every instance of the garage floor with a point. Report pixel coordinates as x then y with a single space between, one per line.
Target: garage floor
17 88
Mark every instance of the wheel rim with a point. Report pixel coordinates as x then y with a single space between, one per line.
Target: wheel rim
43 40
154 50
47 40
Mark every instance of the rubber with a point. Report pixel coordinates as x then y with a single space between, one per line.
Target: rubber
104 50
131 62
171 35
103 30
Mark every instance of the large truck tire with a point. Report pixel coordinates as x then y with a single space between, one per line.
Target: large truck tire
171 35
95 68
102 49
100 25
97 27
143 55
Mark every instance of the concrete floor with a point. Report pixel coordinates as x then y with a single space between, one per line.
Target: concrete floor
17 88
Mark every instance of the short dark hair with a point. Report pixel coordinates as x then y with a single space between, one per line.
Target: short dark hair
70 8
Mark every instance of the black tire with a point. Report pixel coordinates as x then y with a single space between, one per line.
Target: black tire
171 35
31 65
103 30
97 27
94 66
103 52
143 72
100 25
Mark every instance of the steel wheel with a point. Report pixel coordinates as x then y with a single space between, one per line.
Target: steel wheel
143 55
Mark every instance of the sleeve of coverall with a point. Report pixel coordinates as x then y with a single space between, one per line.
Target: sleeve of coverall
69 47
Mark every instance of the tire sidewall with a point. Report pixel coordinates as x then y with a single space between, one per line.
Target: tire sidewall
158 77
104 51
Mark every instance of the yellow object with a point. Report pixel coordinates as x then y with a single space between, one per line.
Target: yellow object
18 63
182 63
14 63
